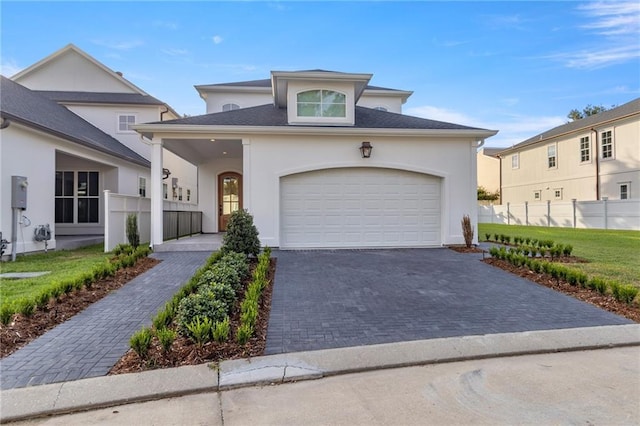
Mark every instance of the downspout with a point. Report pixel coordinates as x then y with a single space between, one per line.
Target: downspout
597 165
162 113
500 183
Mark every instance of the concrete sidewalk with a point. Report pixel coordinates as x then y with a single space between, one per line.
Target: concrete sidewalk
111 391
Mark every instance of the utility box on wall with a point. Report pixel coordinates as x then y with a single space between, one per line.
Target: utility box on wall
19 192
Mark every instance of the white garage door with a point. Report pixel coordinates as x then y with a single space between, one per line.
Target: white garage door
359 207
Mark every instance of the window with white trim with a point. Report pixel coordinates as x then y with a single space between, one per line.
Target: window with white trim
537 195
321 103
625 190
142 187
230 107
557 193
585 149
606 143
515 161
77 197
551 157
180 194
125 121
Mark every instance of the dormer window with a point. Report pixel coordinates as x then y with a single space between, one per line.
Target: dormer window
321 103
230 107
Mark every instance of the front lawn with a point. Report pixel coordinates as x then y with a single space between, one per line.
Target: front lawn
611 254
64 265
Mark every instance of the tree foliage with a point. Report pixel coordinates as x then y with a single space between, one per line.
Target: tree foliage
484 194
587 111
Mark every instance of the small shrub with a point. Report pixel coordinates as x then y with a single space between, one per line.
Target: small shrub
133 236
166 336
572 277
42 299
163 318
487 237
242 234
527 241
244 334
6 313
220 291
26 306
223 273
221 330
140 342
237 261
582 279
494 252
627 293
467 230
496 237
199 305
567 250
598 284
199 330
508 239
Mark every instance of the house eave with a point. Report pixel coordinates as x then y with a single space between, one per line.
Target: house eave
194 131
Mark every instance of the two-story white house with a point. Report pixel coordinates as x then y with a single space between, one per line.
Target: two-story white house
587 159
322 160
69 133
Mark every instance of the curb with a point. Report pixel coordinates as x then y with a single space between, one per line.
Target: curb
101 392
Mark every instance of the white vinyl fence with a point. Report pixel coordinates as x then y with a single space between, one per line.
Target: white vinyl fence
605 214
118 207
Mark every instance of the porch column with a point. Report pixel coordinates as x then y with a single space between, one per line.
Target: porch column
246 174
156 192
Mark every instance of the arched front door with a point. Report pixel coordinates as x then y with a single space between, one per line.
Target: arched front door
229 197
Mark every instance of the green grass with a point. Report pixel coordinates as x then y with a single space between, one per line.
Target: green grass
612 254
64 265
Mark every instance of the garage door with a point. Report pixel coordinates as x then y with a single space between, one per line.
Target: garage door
359 207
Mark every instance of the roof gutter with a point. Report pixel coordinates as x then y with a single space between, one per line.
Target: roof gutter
149 130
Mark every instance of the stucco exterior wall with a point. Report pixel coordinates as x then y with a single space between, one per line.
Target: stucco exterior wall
575 179
70 71
208 189
215 100
392 104
452 160
488 172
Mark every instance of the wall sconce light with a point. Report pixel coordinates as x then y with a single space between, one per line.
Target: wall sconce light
365 149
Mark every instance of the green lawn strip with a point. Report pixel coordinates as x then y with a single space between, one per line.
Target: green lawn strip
70 270
612 254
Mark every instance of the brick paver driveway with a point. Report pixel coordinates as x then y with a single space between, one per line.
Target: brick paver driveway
336 298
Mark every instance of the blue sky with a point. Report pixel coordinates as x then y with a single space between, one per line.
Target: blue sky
514 66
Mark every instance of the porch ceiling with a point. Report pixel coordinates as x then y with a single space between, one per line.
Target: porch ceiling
199 151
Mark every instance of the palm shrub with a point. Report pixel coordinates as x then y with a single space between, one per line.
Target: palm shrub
221 330
242 234
467 230
199 330
133 236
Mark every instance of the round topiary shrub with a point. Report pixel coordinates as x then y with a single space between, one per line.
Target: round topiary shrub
237 261
220 291
242 234
224 273
203 305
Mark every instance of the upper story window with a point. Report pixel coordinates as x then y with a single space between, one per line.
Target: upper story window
125 121
230 107
624 190
515 161
585 149
606 140
551 157
322 103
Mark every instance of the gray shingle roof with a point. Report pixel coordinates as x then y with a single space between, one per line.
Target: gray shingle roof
100 98
22 105
269 115
267 83
632 107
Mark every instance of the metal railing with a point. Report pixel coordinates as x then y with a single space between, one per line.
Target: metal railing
177 223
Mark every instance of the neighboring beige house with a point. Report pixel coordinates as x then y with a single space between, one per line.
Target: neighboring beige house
587 159
489 169
322 160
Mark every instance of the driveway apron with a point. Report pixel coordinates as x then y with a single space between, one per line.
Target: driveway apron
90 343
337 298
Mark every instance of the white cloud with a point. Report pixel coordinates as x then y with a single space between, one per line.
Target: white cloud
9 68
612 18
175 52
512 128
118 45
592 59
216 39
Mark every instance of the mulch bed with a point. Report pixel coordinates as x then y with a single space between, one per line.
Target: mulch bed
185 352
606 302
22 330
465 249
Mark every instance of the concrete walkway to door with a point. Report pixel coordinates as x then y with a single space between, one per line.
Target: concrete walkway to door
338 298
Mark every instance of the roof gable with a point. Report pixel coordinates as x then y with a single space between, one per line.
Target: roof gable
71 69
19 104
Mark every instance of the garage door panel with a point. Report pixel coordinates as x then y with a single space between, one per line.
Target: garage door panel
359 207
